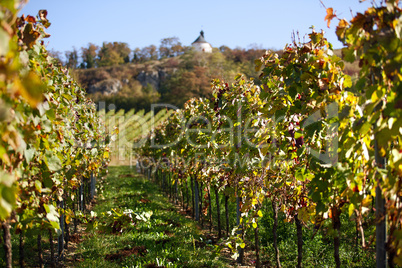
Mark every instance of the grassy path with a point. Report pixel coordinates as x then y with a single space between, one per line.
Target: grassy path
166 239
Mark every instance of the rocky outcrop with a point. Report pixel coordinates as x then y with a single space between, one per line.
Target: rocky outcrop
154 78
107 87
110 80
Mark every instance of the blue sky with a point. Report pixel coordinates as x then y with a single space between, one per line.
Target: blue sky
235 23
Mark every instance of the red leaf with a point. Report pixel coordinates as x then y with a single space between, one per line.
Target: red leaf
43 14
30 19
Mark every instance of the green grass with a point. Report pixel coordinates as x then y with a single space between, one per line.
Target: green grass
167 239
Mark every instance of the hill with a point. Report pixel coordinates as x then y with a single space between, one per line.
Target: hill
172 80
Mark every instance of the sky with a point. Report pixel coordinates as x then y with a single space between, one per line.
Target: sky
266 24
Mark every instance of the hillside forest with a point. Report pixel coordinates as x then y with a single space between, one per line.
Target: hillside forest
171 73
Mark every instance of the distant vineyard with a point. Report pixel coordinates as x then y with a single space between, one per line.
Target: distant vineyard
133 129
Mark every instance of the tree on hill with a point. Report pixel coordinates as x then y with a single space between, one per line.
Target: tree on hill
113 54
186 84
71 58
170 47
88 55
145 54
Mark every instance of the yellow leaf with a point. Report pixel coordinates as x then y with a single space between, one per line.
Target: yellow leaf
398 257
259 214
377 94
340 29
31 89
254 202
351 209
399 169
68 219
382 151
366 202
372 191
343 23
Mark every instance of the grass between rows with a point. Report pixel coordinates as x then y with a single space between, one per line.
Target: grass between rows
167 239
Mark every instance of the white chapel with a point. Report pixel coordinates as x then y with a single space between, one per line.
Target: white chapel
201 45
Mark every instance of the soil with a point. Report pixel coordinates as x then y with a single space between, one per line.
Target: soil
121 254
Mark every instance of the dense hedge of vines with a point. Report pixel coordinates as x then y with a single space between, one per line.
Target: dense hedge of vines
308 138
52 139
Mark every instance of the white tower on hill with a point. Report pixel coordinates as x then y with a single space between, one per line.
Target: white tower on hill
201 45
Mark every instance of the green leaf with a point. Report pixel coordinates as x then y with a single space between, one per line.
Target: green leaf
55 225
348 54
51 114
365 128
42 108
320 206
9 4
51 213
298 135
4 42
280 115
6 179
29 154
292 92
8 195
38 186
53 162
48 182
24 58
7 200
